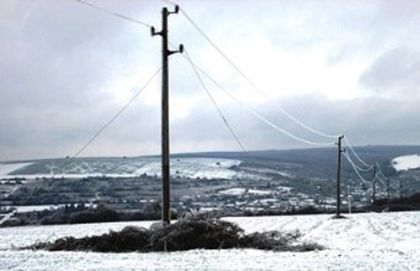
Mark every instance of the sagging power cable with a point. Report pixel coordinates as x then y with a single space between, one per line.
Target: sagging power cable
225 121
258 115
357 155
355 168
246 77
116 14
116 115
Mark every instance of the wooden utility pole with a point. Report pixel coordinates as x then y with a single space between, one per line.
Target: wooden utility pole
374 185
340 151
399 188
166 208
387 190
349 197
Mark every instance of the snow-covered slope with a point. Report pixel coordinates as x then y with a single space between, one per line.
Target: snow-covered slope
387 241
6 168
119 167
406 162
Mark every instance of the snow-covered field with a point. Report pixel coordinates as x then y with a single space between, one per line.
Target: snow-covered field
387 241
406 162
241 191
118 167
5 169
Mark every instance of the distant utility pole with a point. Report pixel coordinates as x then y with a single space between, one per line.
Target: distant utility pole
340 151
387 189
399 188
166 213
349 197
374 185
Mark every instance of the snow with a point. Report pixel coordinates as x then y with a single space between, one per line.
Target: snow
268 171
7 168
32 208
285 189
241 191
371 241
406 162
210 168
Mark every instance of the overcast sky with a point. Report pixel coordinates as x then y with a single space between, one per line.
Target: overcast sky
349 67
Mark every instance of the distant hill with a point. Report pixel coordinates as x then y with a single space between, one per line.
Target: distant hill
315 162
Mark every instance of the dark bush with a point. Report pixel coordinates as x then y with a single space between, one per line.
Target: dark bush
196 231
190 232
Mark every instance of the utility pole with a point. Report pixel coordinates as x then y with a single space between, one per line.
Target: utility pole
349 197
340 151
399 189
166 213
374 185
387 189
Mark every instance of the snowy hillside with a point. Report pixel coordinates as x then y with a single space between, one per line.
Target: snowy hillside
8 168
406 162
387 241
119 167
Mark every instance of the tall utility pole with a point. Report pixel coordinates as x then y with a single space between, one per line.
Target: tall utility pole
166 213
340 151
387 190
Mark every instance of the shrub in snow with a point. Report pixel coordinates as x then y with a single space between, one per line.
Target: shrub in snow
196 231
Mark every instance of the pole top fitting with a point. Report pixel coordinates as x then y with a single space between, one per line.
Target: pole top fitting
153 31
180 50
176 10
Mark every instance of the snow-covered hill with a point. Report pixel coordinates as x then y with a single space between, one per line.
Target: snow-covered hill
406 162
119 167
387 241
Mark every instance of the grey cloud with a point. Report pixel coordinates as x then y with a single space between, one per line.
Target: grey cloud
397 71
364 121
57 56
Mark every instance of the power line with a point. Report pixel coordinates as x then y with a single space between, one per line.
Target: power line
258 115
380 170
356 155
90 141
214 101
244 76
110 12
381 174
264 119
362 169
355 168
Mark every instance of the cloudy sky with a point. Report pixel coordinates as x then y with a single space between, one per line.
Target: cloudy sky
349 67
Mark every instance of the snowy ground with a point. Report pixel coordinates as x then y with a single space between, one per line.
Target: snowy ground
388 241
406 162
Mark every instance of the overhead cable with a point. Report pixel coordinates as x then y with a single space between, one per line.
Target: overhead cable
214 102
110 12
356 155
115 116
355 168
258 115
245 77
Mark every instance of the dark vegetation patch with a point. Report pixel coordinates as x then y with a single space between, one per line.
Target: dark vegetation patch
189 232
410 203
79 214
